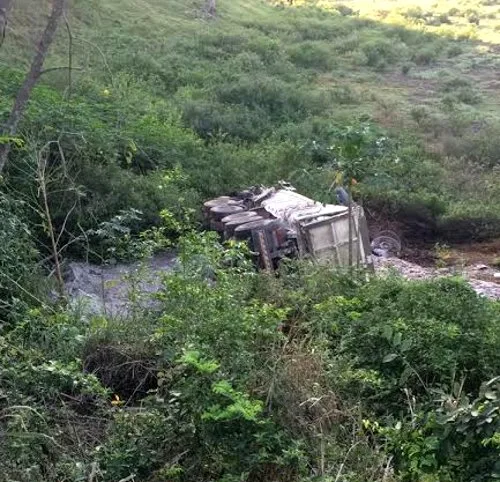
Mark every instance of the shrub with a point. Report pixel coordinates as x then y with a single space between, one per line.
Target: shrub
466 221
207 340
415 13
379 51
103 166
344 10
280 100
419 114
311 28
454 51
460 89
230 374
468 34
468 95
443 18
455 83
436 21
255 376
348 43
314 55
473 17
212 120
425 55
247 62
345 95
269 50
397 344
405 69
217 44
408 36
451 439
109 189
43 386
18 255
479 145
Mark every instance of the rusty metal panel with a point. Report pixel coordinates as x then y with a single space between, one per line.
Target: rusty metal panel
329 240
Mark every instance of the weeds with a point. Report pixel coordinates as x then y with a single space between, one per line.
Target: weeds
228 374
230 105
268 378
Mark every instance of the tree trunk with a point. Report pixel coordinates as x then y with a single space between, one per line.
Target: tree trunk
42 184
23 96
211 8
4 9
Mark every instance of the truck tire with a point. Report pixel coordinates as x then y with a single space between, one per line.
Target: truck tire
230 226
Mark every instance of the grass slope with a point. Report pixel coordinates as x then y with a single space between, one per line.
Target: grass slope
261 82
312 375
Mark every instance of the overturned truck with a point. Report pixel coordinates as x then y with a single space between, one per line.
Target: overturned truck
281 223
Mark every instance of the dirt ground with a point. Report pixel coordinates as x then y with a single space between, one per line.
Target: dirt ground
479 263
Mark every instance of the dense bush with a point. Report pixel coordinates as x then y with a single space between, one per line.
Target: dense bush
258 377
215 120
425 55
312 55
229 374
18 254
278 99
410 335
207 100
46 399
380 51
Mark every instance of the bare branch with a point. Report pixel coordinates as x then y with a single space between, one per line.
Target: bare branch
63 227
211 8
31 295
42 163
70 54
105 61
131 477
4 9
32 78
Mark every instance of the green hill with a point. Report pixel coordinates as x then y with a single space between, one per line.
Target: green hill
225 373
263 92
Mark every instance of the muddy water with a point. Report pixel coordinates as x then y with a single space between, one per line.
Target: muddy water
117 289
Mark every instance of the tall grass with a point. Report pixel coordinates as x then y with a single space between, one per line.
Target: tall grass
234 100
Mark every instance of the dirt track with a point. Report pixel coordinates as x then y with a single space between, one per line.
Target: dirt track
478 276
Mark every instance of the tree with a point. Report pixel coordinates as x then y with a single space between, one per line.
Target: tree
211 7
32 77
4 9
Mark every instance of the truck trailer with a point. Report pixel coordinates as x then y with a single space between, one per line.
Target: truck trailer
280 223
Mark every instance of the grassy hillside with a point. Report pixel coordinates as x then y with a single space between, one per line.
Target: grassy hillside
263 92
228 374
304 377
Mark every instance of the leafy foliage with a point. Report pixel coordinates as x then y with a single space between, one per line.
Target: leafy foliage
238 375
229 374
233 106
17 255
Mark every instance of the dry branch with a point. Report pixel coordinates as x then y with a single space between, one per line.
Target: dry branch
4 10
24 94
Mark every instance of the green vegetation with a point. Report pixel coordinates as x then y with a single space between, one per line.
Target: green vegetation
305 376
233 375
233 102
